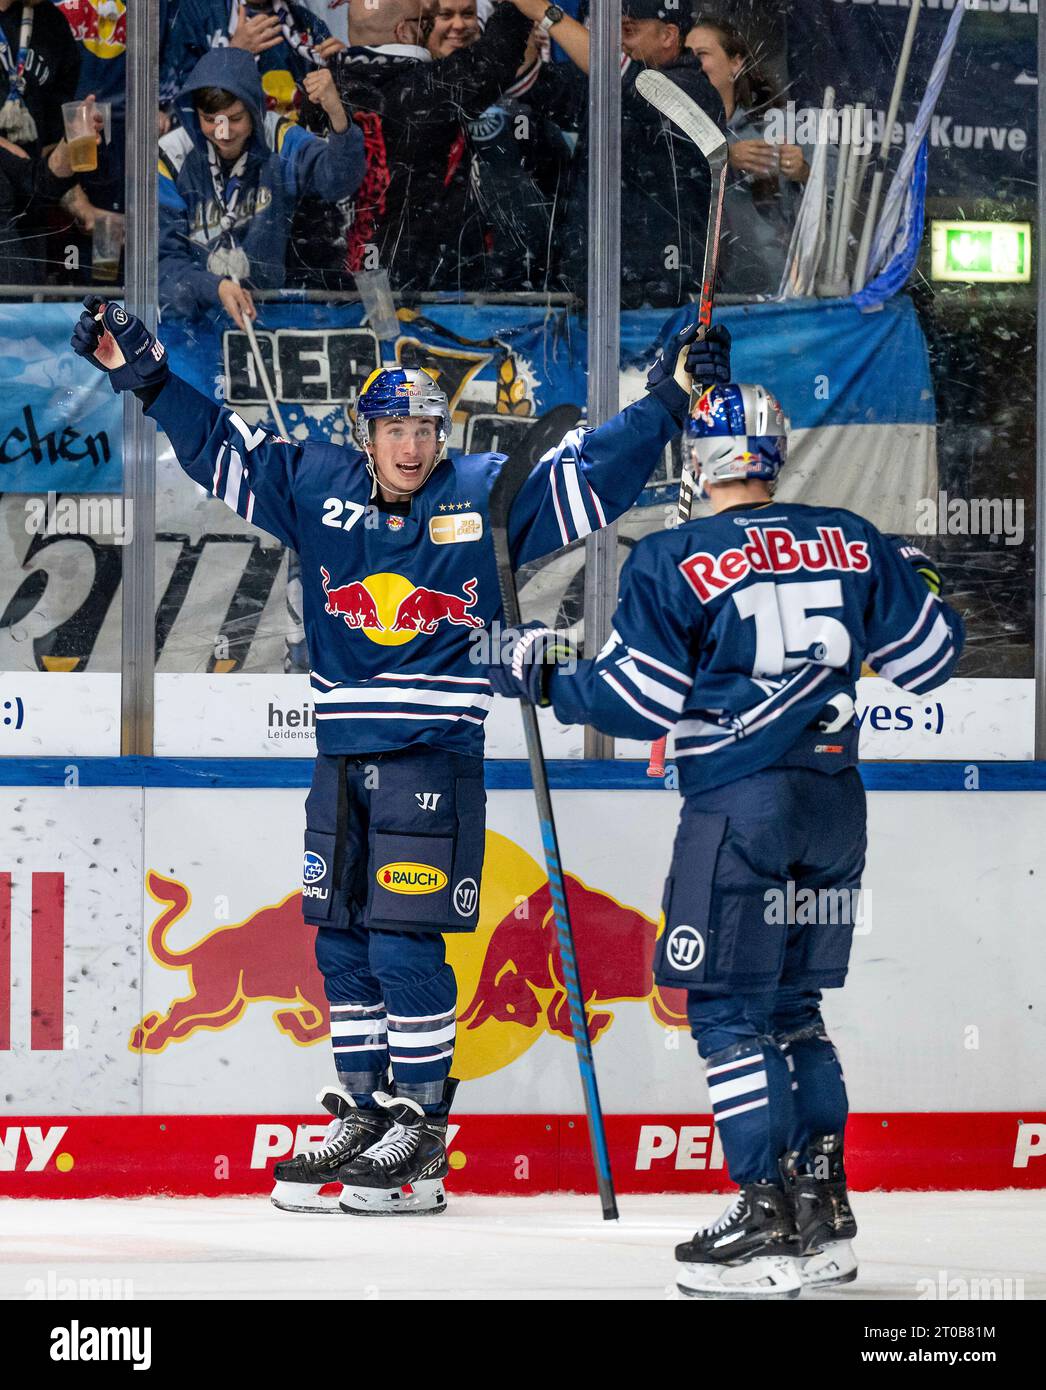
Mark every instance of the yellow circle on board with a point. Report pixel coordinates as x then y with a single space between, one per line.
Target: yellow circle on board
388 591
457 1159
510 876
64 1162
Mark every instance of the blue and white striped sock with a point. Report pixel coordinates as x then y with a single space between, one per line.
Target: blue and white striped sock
421 1049
749 1085
359 1041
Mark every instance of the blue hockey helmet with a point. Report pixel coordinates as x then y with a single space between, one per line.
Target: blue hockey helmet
734 433
396 392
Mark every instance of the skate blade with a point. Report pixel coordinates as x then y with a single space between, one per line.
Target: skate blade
766 1276
304 1197
416 1199
835 1263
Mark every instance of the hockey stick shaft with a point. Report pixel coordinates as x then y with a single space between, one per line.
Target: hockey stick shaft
514 473
674 104
259 362
295 632
879 174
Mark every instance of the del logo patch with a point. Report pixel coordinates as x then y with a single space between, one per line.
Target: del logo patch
452 530
411 878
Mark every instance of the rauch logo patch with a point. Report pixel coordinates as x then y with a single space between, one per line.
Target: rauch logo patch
411 878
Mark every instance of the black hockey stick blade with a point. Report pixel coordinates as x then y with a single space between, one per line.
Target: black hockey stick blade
514 473
544 434
681 109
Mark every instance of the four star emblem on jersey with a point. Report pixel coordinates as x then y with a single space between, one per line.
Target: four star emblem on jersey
389 609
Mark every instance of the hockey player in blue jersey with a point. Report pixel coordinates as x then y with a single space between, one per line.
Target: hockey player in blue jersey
398 572
745 632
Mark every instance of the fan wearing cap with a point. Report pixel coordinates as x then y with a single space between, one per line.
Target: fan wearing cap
664 177
652 31
743 632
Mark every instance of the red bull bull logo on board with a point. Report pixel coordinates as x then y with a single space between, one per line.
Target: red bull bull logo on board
509 972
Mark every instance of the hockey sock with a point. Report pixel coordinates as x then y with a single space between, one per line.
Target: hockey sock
818 1087
360 1045
749 1086
421 995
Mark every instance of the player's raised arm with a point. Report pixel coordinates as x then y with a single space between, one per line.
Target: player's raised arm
915 639
593 476
638 684
248 469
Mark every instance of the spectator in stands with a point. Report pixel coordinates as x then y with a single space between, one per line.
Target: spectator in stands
99 29
455 24
230 176
26 183
38 72
766 180
411 110
502 196
39 66
664 178
282 36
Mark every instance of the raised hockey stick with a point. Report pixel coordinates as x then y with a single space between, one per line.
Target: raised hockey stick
685 113
295 634
544 435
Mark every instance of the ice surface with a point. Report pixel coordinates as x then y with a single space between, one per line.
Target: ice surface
487 1247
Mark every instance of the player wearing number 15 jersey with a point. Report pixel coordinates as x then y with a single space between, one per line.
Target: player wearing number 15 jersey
745 633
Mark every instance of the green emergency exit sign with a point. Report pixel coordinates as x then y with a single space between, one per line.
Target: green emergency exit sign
983 252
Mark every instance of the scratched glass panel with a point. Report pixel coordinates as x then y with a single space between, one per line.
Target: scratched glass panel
905 359
411 215
63 522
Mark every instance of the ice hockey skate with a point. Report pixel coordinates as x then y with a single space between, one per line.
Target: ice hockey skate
750 1252
402 1172
299 1180
823 1217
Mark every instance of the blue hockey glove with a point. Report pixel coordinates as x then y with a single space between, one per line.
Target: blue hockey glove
920 562
684 360
120 345
524 659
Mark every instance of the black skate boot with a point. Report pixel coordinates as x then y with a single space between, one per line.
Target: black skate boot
299 1179
750 1252
823 1217
402 1173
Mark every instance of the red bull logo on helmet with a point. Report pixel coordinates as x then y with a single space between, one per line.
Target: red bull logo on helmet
703 409
390 609
410 878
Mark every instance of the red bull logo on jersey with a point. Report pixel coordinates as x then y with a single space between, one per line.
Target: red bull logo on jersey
353 602
773 550
410 878
389 609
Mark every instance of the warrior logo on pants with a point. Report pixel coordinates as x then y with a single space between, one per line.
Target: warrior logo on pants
685 949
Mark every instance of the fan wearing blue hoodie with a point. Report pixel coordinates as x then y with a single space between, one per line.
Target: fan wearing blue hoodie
230 178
